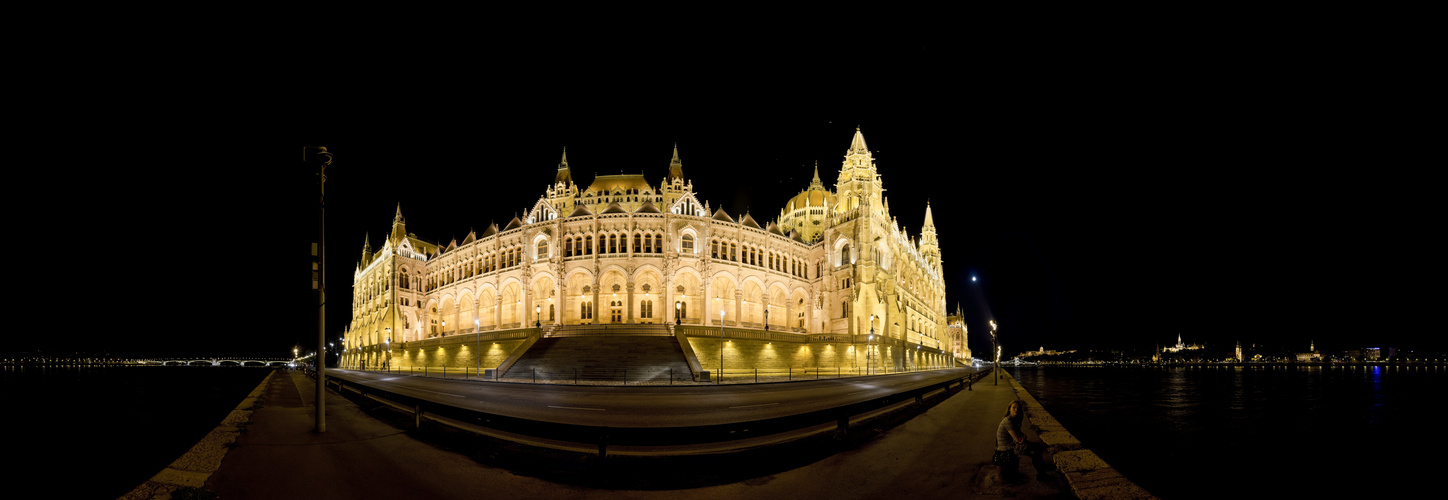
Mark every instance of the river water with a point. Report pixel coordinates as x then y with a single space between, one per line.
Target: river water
1256 432
98 432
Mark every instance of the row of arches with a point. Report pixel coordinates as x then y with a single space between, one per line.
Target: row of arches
643 243
755 256
610 298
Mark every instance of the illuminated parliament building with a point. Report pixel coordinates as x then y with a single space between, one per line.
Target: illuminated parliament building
833 269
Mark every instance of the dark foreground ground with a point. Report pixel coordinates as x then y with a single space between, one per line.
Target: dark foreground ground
369 451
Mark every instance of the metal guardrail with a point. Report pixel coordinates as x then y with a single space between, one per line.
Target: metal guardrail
681 436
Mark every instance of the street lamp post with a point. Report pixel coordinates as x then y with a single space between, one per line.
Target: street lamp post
537 310
870 348
478 339
766 317
387 345
721 347
995 346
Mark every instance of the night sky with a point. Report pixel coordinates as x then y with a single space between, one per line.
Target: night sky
1105 199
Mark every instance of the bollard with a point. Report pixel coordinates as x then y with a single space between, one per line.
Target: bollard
603 444
843 426
417 416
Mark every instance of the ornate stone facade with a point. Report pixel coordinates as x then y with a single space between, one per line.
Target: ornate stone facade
622 250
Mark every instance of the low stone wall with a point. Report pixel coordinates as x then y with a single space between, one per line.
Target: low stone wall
462 352
741 355
1089 476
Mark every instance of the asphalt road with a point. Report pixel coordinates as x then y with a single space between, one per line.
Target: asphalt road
649 406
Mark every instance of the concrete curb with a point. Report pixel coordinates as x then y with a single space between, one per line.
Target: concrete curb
1089 476
197 464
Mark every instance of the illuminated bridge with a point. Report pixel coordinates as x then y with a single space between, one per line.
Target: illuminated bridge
188 361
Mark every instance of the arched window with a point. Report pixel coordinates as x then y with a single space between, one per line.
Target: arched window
844 255
638 246
687 244
612 243
542 249
713 248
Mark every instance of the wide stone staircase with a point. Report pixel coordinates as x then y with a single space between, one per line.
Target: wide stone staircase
586 357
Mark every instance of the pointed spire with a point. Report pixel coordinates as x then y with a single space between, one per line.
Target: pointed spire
564 175
929 221
816 181
676 167
399 226
857 146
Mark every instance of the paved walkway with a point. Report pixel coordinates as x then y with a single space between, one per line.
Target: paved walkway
937 454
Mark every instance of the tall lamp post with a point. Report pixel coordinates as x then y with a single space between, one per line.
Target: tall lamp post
321 158
478 339
995 346
869 346
387 345
537 310
721 347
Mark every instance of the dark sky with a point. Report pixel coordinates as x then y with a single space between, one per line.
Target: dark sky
1105 197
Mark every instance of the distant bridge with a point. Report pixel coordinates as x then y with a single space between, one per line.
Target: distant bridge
216 361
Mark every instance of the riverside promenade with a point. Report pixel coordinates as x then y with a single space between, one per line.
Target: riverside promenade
944 452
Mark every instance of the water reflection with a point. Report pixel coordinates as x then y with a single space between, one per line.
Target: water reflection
1171 428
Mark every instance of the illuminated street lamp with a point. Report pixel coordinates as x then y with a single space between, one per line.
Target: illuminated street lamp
869 347
387 344
994 342
721 346
537 310
478 339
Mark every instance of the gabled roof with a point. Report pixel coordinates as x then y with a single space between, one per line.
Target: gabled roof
720 215
774 229
580 210
647 208
470 238
491 230
515 223
749 222
614 208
